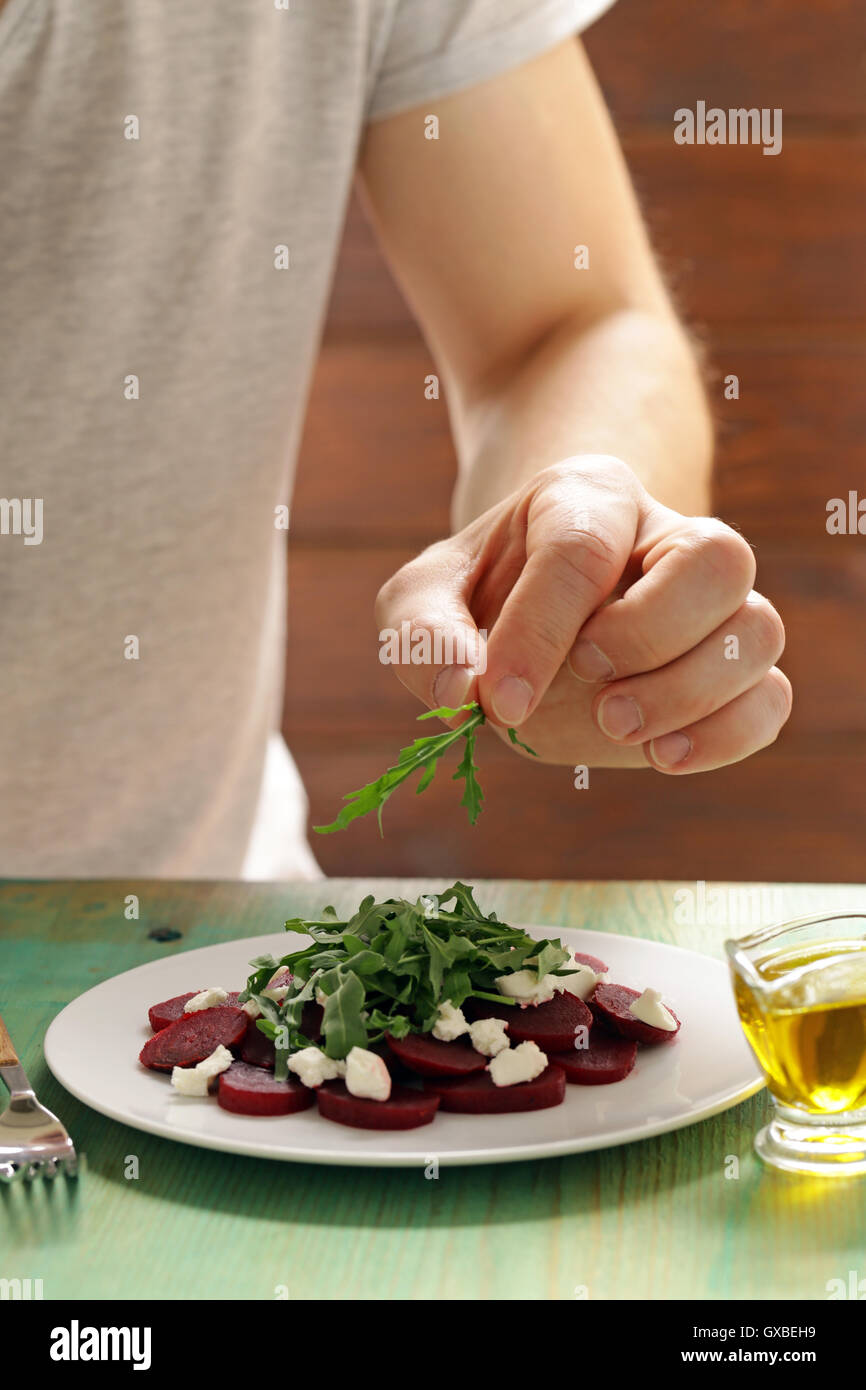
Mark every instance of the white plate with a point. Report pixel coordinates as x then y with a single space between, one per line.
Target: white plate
92 1048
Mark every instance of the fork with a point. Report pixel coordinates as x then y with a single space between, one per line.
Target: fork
33 1142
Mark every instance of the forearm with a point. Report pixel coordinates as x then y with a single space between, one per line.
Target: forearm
629 385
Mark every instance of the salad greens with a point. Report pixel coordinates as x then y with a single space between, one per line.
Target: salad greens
423 756
387 969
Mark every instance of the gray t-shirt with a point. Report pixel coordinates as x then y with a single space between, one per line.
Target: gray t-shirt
156 352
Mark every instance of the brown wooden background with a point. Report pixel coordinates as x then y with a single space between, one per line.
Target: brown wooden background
768 260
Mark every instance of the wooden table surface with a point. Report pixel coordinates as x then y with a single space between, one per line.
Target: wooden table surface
659 1219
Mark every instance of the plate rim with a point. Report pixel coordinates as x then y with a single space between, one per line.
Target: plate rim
395 1159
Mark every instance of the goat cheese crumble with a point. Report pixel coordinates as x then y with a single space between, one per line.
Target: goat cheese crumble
193 1081
516 1064
205 999
489 1036
450 1024
650 1009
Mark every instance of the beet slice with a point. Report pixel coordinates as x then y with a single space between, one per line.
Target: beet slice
248 1090
605 1060
192 1037
429 1056
311 1021
610 1007
592 961
551 1025
405 1109
161 1015
479 1094
259 1050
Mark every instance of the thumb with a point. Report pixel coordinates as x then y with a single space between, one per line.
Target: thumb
427 633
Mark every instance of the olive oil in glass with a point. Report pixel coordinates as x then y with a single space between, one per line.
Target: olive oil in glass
800 990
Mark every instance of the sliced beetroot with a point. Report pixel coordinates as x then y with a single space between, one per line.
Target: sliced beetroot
259 1050
192 1037
592 961
610 1006
311 1022
606 1059
248 1090
479 1095
551 1025
161 1015
405 1108
428 1056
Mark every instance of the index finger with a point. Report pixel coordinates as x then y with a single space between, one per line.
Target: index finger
576 555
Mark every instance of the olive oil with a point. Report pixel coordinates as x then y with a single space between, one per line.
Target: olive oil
807 1024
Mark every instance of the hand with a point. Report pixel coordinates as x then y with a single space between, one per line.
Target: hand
620 632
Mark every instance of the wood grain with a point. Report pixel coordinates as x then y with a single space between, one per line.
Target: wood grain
778 811
8 1055
795 437
803 55
195 1224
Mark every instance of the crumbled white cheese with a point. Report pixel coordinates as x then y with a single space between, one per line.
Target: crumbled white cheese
193 1081
276 992
489 1036
525 987
312 1067
366 1075
581 983
280 977
251 1008
517 1064
450 1024
650 1009
206 999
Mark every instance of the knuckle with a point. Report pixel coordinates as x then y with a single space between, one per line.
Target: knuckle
410 579
724 550
765 627
588 556
780 696
386 599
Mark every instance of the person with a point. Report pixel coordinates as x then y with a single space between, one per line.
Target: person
175 180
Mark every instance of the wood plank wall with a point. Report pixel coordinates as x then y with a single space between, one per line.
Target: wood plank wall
766 255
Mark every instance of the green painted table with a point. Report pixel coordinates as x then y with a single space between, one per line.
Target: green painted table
660 1219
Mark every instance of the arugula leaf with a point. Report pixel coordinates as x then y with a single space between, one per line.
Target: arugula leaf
342 1023
525 746
422 756
549 958
387 969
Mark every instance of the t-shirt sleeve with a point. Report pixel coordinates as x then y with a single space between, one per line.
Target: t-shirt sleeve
434 47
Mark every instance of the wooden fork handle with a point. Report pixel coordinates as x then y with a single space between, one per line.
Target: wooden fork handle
8 1055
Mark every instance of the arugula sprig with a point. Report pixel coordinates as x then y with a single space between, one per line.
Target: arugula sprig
423 756
388 967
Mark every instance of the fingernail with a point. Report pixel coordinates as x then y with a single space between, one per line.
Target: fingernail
670 749
619 715
512 697
452 685
588 662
